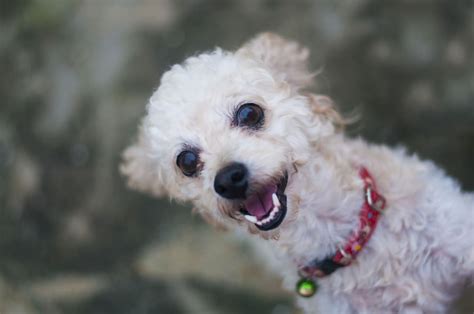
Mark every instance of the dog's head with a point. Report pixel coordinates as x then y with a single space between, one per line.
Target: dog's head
231 133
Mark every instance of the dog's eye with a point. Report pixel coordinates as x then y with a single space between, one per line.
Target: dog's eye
188 162
249 115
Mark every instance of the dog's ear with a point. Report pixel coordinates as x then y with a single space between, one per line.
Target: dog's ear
286 58
137 166
324 107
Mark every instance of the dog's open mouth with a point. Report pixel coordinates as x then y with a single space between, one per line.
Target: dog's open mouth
267 207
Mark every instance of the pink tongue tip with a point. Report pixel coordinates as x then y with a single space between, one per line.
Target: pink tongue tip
261 203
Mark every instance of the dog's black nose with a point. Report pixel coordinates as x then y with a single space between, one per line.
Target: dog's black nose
232 181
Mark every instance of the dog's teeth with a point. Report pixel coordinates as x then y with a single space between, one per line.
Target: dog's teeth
269 217
251 218
275 210
276 202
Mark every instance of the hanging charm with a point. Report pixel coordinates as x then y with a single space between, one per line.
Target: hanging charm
306 287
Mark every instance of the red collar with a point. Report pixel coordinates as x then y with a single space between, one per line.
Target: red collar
370 213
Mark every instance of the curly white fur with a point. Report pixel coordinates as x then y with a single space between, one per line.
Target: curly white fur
423 248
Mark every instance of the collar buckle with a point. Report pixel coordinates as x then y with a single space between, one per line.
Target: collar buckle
374 200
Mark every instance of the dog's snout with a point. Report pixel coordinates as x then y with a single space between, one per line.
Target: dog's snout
232 181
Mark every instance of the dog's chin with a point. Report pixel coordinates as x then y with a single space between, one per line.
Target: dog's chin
267 207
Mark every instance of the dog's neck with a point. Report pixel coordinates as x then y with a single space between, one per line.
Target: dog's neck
326 209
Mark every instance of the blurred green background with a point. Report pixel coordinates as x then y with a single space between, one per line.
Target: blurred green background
75 78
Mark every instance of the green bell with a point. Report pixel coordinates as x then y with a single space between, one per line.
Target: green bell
306 287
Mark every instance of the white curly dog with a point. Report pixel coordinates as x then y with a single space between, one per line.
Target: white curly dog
235 134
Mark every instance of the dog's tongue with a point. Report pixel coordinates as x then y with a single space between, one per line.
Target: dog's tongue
260 204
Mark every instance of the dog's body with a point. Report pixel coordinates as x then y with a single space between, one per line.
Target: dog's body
420 251
226 129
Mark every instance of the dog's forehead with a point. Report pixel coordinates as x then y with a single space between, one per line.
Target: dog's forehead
210 76
203 91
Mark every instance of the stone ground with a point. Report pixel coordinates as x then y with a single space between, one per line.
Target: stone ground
75 79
